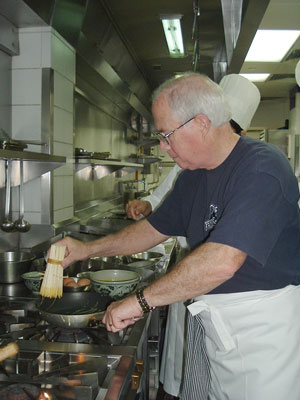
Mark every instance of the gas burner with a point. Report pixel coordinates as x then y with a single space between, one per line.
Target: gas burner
55 334
20 391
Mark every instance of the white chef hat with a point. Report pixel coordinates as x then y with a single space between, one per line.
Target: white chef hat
243 97
297 73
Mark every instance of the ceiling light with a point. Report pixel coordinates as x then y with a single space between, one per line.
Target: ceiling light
271 45
256 77
172 29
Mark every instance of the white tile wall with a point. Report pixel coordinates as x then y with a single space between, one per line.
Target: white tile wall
58 192
30 41
5 117
26 86
63 126
63 57
63 214
63 92
26 122
63 149
44 48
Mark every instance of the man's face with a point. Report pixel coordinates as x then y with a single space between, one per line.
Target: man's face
185 143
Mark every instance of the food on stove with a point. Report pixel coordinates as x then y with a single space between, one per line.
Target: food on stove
67 280
83 282
71 283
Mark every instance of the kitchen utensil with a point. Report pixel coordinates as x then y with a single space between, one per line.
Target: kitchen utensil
74 310
21 225
13 264
7 225
115 283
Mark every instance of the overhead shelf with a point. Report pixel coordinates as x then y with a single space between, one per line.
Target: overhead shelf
101 168
30 156
144 160
35 164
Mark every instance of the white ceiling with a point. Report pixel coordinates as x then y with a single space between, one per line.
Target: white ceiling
139 25
280 14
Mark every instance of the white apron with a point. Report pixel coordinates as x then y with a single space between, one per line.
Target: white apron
171 369
253 343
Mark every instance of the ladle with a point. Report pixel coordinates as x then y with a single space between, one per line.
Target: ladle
7 225
22 225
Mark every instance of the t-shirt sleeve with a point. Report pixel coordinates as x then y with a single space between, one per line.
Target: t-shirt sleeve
255 213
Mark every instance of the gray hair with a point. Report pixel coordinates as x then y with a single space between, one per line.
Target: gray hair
192 94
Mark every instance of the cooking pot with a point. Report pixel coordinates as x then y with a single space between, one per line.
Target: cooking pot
74 310
13 264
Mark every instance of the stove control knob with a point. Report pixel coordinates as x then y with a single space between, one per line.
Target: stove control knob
139 365
135 380
136 376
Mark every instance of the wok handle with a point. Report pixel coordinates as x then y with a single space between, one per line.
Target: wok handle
9 350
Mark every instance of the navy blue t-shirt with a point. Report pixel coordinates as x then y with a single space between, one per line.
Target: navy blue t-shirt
250 202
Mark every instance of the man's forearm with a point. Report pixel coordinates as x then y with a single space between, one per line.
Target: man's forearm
196 274
135 238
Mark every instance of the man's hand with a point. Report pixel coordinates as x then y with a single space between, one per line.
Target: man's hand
75 250
136 208
122 313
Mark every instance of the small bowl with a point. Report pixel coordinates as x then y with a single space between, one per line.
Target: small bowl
33 281
71 289
115 283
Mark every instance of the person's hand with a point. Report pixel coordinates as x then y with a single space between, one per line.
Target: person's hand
122 313
136 208
75 250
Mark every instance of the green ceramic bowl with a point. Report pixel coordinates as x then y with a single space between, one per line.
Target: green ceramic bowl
116 283
33 280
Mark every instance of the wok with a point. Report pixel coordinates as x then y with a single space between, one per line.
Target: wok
74 310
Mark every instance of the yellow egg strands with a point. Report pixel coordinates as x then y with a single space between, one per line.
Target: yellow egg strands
52 285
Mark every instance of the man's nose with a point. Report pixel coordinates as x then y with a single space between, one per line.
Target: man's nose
164 146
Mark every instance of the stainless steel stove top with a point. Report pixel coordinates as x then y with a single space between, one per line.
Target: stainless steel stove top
55 363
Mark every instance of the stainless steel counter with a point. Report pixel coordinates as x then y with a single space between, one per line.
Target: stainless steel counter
113 372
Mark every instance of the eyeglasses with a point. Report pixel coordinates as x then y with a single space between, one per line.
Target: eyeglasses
164 138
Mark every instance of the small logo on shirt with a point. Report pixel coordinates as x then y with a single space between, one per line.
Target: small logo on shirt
212 220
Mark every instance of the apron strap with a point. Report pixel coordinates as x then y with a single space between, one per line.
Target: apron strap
197 377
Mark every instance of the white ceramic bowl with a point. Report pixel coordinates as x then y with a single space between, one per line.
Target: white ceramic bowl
115 283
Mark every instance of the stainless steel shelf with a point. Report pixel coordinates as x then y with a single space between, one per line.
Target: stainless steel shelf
30 156
102 168
35 165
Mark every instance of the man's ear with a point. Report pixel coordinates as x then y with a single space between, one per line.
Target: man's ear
203 123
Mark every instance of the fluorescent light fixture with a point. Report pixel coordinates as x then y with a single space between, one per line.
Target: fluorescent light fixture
172 29
256 77
271 45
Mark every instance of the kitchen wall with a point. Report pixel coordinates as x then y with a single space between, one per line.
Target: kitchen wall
97 131
43 76
44 97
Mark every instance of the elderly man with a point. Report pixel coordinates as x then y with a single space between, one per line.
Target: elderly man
237 203
243 98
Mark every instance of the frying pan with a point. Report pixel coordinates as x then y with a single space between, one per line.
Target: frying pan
74 310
